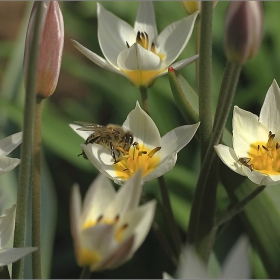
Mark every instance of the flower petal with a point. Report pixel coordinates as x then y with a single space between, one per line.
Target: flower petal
176 139
113 33
270 112
145 20
182 63
138 58
8 256
237 264
229 158
173 39
246 130
98 197
143 128
261 178
9 143
81 133
7 225
7 164
98 60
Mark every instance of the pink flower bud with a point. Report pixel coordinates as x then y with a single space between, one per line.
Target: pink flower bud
244 24
50 47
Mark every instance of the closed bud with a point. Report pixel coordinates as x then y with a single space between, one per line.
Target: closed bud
50 47
244 26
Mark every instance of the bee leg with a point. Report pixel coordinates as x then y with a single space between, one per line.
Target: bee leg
112 148
83 154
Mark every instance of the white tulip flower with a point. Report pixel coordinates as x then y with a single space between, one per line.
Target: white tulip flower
7 226
139 53
256 142
153 154
110 225
7 145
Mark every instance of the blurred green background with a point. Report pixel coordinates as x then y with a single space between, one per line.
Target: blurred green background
88 93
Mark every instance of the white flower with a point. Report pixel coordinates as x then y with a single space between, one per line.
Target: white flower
235 266
7 145
7 226
256 142
110 226
153 154
139 53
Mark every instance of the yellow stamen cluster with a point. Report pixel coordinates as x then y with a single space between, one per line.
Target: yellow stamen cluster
119 230
138 158
265 157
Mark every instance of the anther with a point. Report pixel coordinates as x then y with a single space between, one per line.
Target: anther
153 48
117 218
99 219
265 148
128 46
277 146
142 153
152 152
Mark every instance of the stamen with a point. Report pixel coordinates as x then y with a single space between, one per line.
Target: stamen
142 153
99 219
117 218
265 148
277 146
128 46
153 48
152 152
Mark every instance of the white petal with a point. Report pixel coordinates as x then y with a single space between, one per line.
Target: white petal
113 33
8 256
270 112
99 195
81 133
9 143
237 264
98 60
142 222
246 131
75 215
176 139
7 225
182 63
229 158
127 198
192 267
262 179
143 127
7 164
145 20
138 58
164 166
173 39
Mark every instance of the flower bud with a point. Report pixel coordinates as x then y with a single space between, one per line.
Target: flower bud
50 47
193 6
244 24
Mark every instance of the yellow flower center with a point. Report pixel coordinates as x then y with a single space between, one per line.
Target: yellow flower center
119 229
87 257
139 157
264 157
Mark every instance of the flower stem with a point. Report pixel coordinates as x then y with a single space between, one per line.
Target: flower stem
237 208
26 147
36 190
144 96
85 273
205 75
197 46
170 217
201 202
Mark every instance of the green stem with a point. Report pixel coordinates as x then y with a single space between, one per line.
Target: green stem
144 96
26 147
201 197
205 75
170 217
236 209
36 190
197 46
85 273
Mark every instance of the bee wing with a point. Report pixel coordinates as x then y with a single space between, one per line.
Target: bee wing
88 126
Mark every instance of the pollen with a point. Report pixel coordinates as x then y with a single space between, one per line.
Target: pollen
88 258
265 156
139 157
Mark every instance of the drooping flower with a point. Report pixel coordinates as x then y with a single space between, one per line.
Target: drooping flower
256 141
139 53
50 47
149 152
110 226
7 145
235 266
7 226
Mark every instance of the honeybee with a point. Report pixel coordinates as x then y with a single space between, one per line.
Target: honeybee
113 137
245 161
